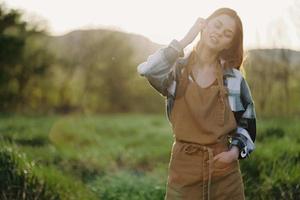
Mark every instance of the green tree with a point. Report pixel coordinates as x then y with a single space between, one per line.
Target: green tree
22 58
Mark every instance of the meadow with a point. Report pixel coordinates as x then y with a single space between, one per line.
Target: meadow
125 156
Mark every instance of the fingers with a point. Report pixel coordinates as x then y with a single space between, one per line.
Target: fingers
216 157
223 157
200 19
201 22
219 155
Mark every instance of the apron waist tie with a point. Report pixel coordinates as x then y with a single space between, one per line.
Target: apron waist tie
210 168
191 148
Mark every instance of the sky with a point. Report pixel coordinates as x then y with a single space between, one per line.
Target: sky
266 23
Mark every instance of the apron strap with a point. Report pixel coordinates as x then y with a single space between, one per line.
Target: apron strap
183 79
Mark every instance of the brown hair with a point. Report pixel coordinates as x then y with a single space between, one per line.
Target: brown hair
232 56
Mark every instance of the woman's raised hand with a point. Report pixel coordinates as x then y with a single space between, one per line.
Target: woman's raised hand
193 32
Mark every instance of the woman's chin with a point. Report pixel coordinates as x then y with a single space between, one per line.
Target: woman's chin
212 45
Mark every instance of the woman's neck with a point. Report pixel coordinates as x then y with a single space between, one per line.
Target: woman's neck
206 55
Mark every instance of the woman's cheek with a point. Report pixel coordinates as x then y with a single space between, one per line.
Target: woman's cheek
227 43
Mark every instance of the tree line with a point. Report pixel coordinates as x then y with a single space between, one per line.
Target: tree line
95 72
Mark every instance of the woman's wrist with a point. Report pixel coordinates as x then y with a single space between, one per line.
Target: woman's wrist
193 32
234 151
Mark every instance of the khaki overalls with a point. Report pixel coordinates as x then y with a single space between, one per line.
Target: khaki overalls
202 122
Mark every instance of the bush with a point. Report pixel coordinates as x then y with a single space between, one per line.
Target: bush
126 185
271 133
21 179
271 178
17 180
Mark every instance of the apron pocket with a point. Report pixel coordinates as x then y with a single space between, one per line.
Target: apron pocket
185 169
221 168
220 165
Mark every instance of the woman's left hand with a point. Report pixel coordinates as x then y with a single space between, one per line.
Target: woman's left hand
228 156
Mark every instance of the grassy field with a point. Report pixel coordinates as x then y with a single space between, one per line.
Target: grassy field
125 156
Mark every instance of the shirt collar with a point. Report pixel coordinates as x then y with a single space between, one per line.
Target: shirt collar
229 72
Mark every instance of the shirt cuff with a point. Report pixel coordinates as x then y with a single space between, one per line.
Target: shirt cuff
173 51
241 142
177 46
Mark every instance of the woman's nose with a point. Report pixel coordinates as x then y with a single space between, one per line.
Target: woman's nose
219 33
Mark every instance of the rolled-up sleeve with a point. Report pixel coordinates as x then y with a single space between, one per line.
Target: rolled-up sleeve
246 123
158 67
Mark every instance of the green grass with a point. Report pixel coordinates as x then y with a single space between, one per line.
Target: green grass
125 156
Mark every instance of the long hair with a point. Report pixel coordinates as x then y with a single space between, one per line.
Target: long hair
233 56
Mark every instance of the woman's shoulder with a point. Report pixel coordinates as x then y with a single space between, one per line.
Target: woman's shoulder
233 72
234 79
239 74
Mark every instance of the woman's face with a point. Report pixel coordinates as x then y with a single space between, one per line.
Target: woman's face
219 32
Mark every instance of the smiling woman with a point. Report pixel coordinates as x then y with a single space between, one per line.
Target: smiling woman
210 108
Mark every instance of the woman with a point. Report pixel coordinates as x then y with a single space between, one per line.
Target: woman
209 106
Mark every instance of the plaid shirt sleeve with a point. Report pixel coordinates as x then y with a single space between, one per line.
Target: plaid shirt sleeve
246 123
158 68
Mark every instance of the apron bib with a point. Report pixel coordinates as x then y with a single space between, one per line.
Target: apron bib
202 115
202 122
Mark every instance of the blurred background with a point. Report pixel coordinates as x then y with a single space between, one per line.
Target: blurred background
78 122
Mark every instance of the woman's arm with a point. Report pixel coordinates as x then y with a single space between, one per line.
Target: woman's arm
246 120
159 68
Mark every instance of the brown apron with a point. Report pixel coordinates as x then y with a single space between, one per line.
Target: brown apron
202 122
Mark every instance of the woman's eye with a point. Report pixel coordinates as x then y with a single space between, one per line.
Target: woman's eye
227 35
